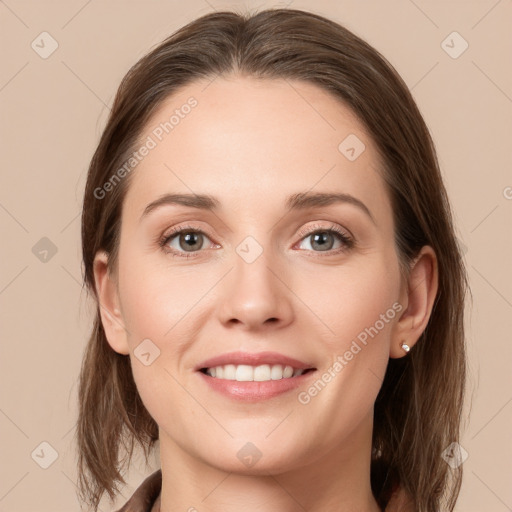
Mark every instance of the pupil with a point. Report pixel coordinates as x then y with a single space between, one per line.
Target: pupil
320 237
190 240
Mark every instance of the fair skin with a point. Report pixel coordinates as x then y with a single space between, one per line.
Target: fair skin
251 144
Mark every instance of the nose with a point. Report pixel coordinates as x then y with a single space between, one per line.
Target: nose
255 295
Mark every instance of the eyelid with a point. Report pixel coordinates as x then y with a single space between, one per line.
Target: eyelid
303 232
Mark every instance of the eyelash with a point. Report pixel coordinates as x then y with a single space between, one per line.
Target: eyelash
347 241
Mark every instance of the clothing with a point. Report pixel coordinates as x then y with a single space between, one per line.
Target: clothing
146 497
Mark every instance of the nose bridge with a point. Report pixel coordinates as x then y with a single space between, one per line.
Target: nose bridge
254 295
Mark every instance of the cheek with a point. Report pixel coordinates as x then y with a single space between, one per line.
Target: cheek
160 304
351 298
155 297
359 308
157 305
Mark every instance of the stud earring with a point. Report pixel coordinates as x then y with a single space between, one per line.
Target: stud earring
405 347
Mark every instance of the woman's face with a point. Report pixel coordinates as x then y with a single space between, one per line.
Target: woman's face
264 274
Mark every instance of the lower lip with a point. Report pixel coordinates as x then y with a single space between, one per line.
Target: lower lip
254 390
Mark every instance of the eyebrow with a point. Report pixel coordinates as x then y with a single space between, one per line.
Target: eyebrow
299 201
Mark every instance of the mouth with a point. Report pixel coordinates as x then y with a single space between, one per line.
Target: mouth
254 377
250 373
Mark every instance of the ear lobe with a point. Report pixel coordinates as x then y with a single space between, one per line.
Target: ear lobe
108 298
418 300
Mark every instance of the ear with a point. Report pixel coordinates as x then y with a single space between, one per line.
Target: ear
417 298
108 297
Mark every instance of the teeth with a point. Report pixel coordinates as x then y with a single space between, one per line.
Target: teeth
246 373
229 372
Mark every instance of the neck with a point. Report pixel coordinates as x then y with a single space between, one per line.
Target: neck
338 480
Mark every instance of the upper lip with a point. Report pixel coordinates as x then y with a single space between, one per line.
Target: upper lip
253 359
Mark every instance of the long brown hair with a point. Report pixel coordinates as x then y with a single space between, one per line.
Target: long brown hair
418 409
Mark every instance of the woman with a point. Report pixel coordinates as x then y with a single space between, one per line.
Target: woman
280 293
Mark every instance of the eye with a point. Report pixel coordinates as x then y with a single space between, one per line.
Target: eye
323 239
184 241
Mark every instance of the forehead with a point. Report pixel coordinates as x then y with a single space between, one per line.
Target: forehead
245 140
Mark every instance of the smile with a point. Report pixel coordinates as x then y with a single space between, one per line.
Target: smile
248 373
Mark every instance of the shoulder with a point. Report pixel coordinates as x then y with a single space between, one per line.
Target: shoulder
146 497
401 501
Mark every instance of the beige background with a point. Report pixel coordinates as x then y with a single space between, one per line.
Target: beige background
53 111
